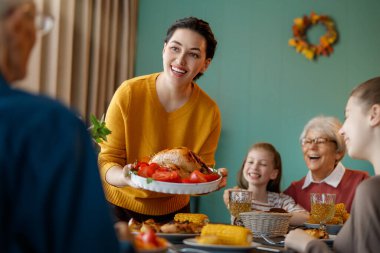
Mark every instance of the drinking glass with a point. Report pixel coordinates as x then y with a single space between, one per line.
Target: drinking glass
240 201
322 208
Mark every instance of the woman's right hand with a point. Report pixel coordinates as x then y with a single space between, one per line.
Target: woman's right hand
127 175
120 177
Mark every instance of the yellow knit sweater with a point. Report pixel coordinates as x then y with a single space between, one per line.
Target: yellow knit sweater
141 127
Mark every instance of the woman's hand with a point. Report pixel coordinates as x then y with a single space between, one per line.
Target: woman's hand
297 239
127 175
120 177
224 173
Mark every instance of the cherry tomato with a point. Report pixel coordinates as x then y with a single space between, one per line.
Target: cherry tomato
146 171
166 176
197 177
150 237
212 176
162 169
186 180
139 164
154 166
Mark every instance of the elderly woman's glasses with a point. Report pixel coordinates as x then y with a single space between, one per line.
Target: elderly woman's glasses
318 141
44 23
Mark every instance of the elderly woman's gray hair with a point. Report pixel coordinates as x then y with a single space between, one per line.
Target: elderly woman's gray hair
328 126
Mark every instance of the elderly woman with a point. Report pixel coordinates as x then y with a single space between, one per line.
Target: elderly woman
323 148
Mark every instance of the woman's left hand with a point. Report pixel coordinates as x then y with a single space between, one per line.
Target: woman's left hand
224 173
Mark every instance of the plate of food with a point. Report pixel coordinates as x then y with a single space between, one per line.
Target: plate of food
175 188
321 235
175 171
175 238
149 242
222 237
331 229
219 248
184 225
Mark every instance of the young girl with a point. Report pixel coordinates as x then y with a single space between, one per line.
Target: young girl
361 132
261 174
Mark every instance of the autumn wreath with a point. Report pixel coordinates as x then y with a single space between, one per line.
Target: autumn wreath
300 41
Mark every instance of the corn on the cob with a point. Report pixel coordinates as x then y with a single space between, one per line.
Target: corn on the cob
196 218
227 234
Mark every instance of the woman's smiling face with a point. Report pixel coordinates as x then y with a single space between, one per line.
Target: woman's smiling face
320 158
184 55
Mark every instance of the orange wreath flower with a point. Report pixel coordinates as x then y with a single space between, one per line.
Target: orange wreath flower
300 42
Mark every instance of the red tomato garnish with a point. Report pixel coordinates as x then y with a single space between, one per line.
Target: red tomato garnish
212 176
156 172
149 241
197 177
162 169
154 166
149 236
139 164
146 171
166 176
186 180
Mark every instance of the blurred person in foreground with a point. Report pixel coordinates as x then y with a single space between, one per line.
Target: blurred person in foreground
323 149
361 133
51 198
162 110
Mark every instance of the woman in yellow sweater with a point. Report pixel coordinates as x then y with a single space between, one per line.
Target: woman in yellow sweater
162 110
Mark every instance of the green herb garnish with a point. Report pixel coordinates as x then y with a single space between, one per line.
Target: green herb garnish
98 129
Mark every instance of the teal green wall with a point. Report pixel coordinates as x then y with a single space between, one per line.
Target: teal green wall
265 90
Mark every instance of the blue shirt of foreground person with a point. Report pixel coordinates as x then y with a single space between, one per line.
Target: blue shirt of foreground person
51 198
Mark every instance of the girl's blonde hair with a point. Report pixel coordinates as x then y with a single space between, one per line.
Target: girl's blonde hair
273 185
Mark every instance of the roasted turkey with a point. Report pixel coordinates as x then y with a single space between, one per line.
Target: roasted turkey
182 159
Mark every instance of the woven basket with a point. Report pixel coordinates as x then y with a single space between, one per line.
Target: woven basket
269 224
